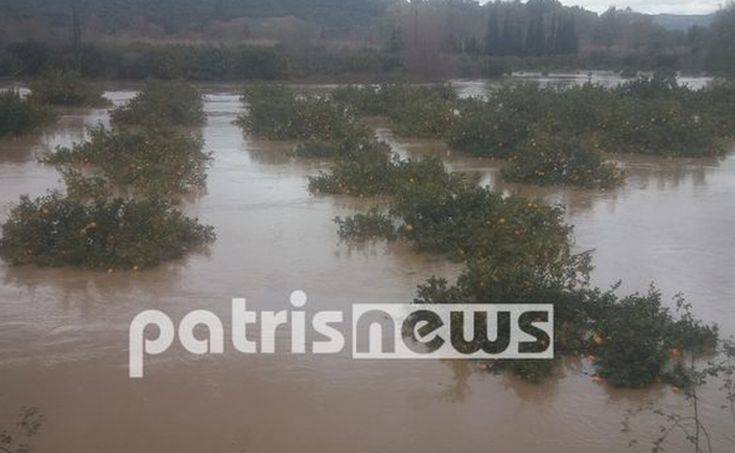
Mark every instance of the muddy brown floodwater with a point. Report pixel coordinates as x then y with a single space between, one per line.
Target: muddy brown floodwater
63 333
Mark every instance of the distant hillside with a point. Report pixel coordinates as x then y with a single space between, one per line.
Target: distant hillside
682 22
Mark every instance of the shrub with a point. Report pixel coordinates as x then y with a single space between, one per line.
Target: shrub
661 84
550 158
363 227
20 116
374 171
53 231
519 250
66 88
368 173
665 127
277 113
150 161
162 104
635 337
365 100
419 111
495 127
355 141
715 102
414 111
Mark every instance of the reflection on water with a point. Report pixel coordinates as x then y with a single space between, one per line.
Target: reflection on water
63 343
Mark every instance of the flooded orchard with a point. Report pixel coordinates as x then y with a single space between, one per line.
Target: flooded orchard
64 341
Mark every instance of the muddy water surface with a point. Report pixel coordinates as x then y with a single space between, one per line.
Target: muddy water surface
63 335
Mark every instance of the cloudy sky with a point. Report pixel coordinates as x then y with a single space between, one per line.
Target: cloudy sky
652 7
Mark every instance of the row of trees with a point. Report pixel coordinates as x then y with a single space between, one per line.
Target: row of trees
427 37
426 31
537 28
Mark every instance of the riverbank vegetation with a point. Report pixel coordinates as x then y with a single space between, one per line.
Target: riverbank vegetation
21 116
66 88
375 39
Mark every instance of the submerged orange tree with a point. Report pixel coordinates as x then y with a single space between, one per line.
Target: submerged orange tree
514 250
66 88
103 234
122 183
21 116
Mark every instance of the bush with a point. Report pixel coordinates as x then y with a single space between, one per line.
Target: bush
664 127
156 161
116 234
375 171
715 102
419 111
162 104
368 173
515 249
414 111
278 113
356 141
647 116
363 227
550 158
365 99
21 116
661 84
636 336
495 128
66 88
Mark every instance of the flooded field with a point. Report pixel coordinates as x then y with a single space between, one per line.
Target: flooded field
64 335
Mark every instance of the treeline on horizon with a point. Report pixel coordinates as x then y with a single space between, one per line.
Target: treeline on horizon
268 40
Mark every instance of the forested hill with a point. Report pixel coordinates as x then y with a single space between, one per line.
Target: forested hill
683 22
180 15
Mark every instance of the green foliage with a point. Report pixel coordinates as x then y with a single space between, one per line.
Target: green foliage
420 111
357 140
162 104
716 102
117 234
660 126
414 111
637 336
364 99
647 116
66 88
278 113
369 172
363 227
662 84
21 116
514 249
550 158
157 161
495 128
374 171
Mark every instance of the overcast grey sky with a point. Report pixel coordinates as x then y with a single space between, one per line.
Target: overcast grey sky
650 6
